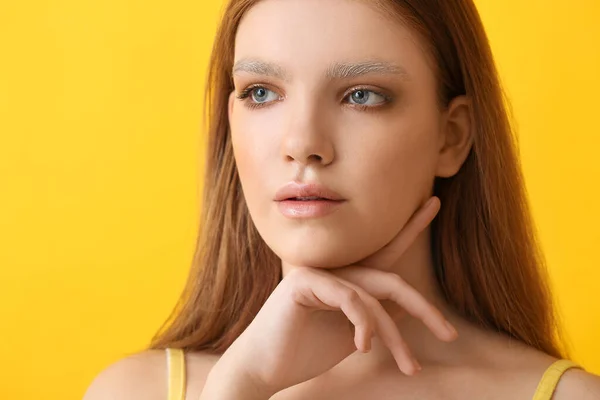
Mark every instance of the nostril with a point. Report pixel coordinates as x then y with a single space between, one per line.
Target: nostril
311 158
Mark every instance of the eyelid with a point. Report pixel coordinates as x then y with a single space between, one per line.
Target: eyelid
263 84
368 88
245 93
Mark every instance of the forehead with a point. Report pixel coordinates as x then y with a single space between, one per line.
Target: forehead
309 35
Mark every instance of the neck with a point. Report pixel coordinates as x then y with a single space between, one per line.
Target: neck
416 267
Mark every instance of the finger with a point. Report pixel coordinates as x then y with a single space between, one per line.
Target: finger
391 252
388 332
416 305
390 286
323 291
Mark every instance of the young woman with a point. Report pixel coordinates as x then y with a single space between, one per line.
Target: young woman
365 230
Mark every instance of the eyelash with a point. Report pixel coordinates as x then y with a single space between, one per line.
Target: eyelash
245 97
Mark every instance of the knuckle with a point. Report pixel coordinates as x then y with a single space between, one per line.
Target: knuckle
400 297
297 295
351 296
298 279
298 273
372 302
397 281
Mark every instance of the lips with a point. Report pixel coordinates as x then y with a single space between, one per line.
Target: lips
307 198
295 191
307 201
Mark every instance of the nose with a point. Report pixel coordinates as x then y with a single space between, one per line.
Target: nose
306 139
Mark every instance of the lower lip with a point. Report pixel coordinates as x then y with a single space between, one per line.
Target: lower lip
309 208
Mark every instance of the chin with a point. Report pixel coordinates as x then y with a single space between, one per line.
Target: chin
326 254
313 260
327 244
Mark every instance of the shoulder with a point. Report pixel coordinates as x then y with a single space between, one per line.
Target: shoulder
519 368
144 376
578 384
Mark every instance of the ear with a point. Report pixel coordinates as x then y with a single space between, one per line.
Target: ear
456 137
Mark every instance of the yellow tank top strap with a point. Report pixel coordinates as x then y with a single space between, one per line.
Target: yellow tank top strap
550 379
176 374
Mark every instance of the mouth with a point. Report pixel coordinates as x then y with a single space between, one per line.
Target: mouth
309 198
303 201
295 191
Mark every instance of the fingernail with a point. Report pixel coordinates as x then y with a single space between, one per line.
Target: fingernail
451 328
417 365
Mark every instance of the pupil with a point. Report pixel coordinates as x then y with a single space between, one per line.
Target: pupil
260 93
360 96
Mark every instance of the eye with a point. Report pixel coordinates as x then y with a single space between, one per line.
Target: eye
364 97
261 95
258 96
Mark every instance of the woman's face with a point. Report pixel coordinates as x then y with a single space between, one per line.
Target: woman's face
334 94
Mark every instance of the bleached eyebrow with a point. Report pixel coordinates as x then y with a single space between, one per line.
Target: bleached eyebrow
335 71
257 67
351 70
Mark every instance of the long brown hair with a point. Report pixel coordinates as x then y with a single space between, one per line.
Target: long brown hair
487 258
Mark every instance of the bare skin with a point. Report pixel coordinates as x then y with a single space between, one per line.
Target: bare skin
304 131
507 371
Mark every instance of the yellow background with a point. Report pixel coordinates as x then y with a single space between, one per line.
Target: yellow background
100 105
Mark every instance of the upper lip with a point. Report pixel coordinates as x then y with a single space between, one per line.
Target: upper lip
295 189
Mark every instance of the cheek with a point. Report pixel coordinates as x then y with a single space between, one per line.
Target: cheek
401 170
247 153
397 159
254 147
394 173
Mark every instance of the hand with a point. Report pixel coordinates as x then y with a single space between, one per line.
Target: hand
316 318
